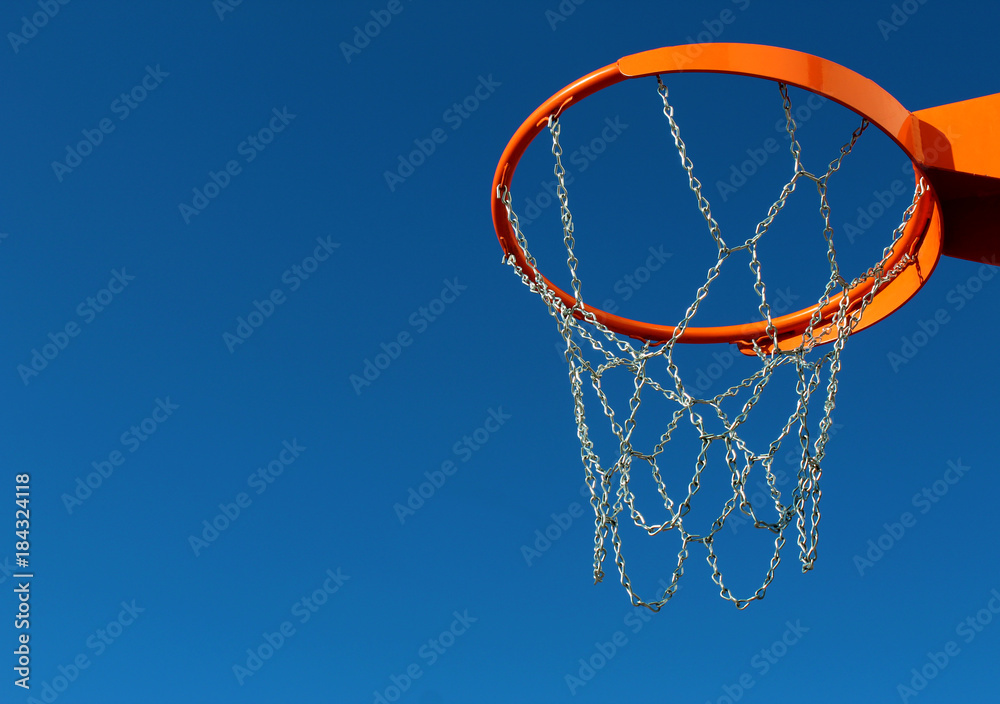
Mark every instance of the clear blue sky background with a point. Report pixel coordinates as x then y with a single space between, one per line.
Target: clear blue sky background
130 281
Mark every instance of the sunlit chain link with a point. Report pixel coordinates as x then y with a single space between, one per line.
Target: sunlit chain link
655 372
567 217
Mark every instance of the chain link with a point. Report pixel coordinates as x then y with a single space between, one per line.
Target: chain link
611 502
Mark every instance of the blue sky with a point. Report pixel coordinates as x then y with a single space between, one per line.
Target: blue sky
294 433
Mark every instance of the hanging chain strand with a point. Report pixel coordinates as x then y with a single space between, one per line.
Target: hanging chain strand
608 480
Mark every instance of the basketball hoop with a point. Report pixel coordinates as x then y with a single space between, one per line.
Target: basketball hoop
939 218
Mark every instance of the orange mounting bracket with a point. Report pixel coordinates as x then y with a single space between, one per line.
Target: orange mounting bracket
960 153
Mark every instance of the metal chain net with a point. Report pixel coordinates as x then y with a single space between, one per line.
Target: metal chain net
609 481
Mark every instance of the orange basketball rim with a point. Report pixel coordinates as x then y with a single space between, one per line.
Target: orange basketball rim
954 147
